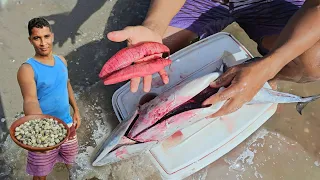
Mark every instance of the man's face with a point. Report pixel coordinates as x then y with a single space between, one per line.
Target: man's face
42 40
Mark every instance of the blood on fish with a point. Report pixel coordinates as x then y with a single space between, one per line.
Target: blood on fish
159 131
152 114
121 151
177 135
173 140
125 140
194 103
161 115
163 129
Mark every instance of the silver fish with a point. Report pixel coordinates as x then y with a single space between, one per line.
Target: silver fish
150 123
266 95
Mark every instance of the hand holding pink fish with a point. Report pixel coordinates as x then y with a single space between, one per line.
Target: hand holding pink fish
135 35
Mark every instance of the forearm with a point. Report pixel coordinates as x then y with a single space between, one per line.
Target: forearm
31 107
160 14
72 99
300 34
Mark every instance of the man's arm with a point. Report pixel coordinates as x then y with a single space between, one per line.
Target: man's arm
301 33
153 29
160 14
25 77
72 100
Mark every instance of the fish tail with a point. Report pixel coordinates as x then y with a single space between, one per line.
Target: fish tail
301 105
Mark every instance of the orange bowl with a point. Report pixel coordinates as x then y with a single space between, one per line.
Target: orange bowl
32 117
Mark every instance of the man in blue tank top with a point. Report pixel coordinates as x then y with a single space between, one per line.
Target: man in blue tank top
46 89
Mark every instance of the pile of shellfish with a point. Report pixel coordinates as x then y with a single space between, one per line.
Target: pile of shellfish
41 133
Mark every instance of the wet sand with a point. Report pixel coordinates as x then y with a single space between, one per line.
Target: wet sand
285 147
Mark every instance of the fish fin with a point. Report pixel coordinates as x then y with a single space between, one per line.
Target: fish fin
301 105
223 68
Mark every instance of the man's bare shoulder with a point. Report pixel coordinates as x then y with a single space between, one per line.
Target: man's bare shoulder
63 59
25 72
25 69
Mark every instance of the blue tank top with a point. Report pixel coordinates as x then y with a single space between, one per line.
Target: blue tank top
52 89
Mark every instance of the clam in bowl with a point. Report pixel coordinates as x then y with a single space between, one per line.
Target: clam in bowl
39 133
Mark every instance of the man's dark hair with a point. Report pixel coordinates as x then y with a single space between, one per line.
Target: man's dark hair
38 23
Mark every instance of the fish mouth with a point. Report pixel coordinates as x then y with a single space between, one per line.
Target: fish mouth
146 98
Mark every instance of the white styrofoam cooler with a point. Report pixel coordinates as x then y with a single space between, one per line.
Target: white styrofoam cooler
205 141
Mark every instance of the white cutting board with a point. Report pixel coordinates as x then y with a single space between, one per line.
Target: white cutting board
205 141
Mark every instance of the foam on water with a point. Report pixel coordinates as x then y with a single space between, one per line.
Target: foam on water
200 175
247 156
12 166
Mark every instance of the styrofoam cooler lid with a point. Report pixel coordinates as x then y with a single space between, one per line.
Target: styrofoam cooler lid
188 63
201 143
